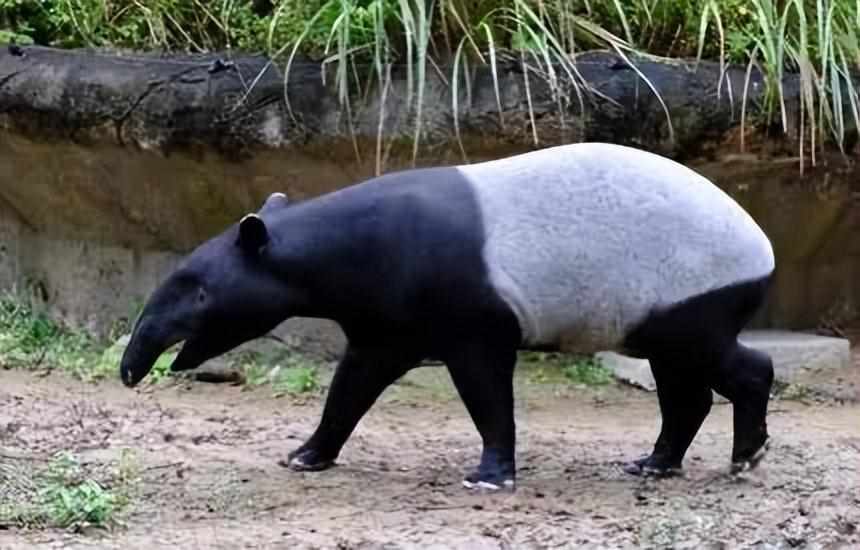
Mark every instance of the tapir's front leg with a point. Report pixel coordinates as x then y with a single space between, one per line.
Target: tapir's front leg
483 374
360 378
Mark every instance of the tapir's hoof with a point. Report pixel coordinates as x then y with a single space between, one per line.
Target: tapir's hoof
647 467
492 484
746 464
306 461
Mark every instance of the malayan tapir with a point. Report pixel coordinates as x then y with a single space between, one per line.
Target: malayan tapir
585 246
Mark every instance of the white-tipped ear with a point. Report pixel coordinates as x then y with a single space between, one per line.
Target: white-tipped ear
252 233
275 201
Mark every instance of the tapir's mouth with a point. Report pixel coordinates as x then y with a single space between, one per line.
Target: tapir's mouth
187 358
183 361
143 352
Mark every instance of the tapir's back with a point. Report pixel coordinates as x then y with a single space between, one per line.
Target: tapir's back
584 240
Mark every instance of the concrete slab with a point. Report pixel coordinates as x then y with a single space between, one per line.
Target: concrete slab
636 372
797 357
796 354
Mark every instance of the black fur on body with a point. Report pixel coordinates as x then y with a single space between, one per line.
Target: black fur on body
397 263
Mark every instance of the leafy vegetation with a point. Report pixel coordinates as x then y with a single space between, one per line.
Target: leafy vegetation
579 370
661 27
296 380
66 494
291 374
31 340
588 372
816 38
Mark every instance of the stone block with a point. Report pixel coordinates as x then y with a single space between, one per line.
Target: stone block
797 357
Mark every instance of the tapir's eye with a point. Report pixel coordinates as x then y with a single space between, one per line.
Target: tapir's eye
201 295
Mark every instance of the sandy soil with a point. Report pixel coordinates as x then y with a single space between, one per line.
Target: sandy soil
210 480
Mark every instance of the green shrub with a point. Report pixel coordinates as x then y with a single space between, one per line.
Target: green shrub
588 372
575 369
65 494
820 40
297 379
31 340
291 374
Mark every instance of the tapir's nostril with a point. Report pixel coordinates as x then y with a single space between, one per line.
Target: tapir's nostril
127 377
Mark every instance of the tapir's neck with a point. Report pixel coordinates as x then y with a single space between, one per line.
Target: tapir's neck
332 252
389 254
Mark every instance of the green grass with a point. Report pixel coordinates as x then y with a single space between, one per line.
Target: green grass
577 370
31 340
286 373
360 40
296 380
65 493
587 372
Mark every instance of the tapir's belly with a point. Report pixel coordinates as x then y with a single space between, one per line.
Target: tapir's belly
584 250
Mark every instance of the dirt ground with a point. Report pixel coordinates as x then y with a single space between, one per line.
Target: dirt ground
209 476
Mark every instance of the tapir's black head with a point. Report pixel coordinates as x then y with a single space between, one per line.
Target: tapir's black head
226 292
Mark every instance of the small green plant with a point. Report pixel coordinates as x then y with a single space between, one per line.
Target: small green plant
86 503
31 340
255 374
299 379
291 374
587 371
64 494
565 368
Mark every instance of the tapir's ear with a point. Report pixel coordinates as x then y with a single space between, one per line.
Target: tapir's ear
252 233
275 201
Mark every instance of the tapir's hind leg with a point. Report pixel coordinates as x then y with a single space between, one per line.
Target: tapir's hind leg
745 378
693 349
685 400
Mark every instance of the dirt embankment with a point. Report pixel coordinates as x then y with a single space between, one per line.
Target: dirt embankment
209 479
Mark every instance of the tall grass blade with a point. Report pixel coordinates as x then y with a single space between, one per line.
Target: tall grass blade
747 78
455 95
308 26
653 89
623 18
494 71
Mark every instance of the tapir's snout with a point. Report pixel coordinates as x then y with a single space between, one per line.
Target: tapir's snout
128 378
148 341
131 370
